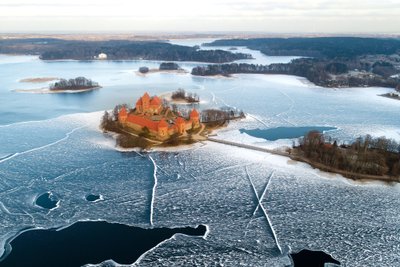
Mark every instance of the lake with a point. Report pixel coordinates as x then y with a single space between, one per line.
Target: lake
52 143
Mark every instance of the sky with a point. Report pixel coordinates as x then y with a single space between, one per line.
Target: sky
278 16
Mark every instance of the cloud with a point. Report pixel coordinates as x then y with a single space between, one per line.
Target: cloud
183 14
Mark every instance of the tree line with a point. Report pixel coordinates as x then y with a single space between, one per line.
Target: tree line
322 72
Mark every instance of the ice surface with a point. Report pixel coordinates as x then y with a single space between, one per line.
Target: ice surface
68 155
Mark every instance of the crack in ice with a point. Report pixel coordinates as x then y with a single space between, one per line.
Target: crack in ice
264 192
153 191
67 135
264 211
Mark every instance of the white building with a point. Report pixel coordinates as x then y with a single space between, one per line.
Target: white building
102 56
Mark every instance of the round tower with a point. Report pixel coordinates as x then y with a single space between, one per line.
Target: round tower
180 124
162 128
195 118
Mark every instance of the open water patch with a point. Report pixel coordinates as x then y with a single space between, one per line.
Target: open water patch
89 242
310 258
47 201
93 198
273 134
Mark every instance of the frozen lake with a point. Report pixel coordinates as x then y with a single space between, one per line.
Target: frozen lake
52 143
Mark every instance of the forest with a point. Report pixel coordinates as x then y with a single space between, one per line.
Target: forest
328 47
322 72
56 49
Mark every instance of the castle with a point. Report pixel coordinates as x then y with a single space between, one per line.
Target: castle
159 119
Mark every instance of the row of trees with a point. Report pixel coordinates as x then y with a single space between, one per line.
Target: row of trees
329 47
366 155
318 71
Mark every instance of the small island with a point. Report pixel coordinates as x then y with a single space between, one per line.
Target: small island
152 122
180 95
77 84
165 67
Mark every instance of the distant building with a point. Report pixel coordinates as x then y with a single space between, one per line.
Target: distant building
160 120
102 56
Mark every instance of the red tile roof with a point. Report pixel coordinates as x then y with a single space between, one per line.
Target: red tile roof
162 123
144 122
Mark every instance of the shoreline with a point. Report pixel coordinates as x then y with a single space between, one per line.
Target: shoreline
349 175
151 71
38 80
391 96
46 90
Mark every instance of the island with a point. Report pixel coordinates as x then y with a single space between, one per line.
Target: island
144 70
153 122
165 67
181 96
80 84
76 85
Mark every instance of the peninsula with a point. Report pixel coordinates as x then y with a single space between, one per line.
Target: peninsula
365 158
329 61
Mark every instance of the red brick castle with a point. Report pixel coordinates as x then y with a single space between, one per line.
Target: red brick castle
160 120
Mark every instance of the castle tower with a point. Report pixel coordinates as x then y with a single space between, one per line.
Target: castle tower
163 128
122 115
195 118
145 102
156 105
180 124
139 106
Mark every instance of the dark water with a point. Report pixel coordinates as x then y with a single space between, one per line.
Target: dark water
309 258
88 242
274 134
46 201
92 198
